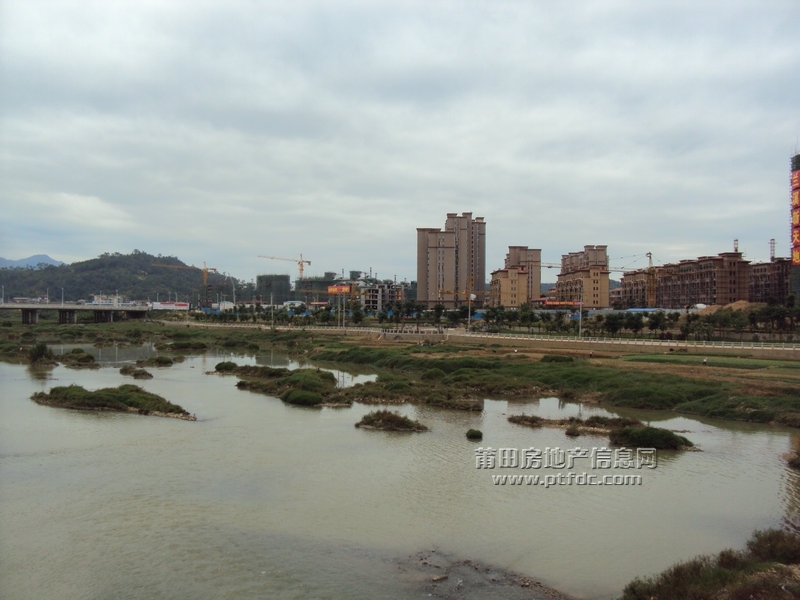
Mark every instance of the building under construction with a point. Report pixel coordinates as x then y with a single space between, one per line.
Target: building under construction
273 289
721 279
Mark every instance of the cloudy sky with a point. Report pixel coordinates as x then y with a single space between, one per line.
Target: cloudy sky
220 131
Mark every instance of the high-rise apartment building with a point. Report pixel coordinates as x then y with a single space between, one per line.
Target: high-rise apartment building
451 262
530 260
519 281
584 278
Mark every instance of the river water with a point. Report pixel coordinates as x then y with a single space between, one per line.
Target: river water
257 499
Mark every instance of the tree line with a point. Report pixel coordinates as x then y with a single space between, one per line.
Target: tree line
725 323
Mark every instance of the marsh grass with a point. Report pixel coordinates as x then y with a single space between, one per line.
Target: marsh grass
723 361
124 398
387 420
760 572
498 377
78 358
647 437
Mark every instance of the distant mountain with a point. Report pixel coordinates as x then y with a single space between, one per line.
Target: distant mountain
32 262
135 276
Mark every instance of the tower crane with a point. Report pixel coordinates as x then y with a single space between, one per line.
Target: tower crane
204 270
547 265
300 262
651 282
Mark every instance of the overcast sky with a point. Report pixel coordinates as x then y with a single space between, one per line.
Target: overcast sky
220 131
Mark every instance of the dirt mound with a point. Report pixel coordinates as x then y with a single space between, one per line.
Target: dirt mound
742 305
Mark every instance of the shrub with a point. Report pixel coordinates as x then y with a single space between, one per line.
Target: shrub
389 421
556 358
474 434
794 461
225 366
572 431
775 545
301 397
528 420
648 437
39 352
731 575
433 374
123 398
600 421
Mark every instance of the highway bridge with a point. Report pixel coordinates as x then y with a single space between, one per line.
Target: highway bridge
68 311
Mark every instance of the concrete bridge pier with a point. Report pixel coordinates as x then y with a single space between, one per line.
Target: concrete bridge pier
30 316
104 316
67 317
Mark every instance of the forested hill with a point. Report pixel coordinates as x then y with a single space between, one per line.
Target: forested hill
134 276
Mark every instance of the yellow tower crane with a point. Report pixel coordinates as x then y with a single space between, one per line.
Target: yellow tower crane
300 262
204 270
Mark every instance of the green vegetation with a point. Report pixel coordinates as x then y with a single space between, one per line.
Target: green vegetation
125 398
135 372
133 276
527 420
474 434
648 437
492 376
761 572
157 361
622 431
553 358
460 377
302 387
227 366
78 358
724 361
386 420
40 353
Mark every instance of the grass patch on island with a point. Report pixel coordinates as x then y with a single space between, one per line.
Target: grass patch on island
386 420
125 398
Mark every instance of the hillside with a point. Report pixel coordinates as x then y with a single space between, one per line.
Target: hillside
133 276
